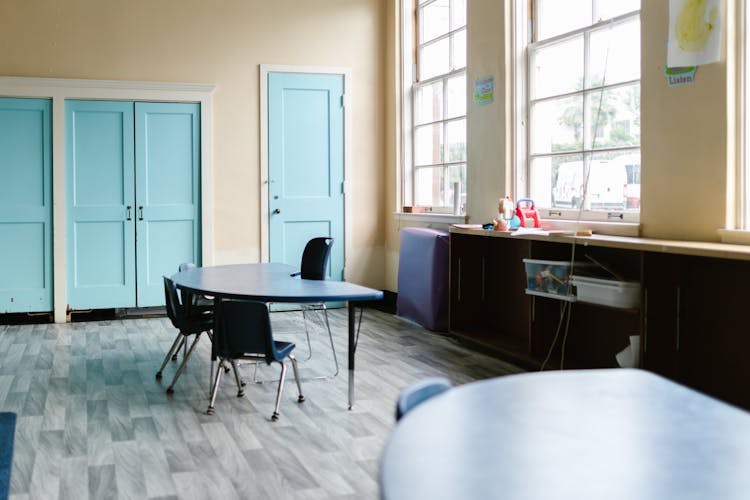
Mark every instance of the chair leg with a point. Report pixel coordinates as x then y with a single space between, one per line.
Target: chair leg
174 356
307 333
330 337
240 384
300 398
172 349
275 415
170 389
215 389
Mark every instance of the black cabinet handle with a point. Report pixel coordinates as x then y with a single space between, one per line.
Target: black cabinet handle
140 212
129 208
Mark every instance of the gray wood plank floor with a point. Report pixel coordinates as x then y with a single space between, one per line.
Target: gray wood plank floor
93 422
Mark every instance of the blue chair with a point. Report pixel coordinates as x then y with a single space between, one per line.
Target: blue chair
418 393
314 266
189 320
243 331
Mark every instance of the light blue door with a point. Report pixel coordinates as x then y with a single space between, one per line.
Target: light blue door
167 159
100 208
25 205
305 165
133 191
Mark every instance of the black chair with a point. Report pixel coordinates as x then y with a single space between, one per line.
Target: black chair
314 266
194 300
243 331
418 393
189 320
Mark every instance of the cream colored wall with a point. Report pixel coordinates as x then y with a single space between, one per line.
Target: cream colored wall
223 43
393 144
683 141
485 130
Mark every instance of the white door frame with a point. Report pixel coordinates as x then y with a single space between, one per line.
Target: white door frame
265 69
60 89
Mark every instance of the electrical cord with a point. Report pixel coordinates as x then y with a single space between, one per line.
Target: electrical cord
567 305
564 307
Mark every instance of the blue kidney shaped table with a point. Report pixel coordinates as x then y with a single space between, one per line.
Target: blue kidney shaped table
271 282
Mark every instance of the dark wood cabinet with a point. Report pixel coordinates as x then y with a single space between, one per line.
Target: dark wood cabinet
691 317
486 306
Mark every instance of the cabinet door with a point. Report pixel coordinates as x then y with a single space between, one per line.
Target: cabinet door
100 207
167 159
713 342
661 312
25 206
468 282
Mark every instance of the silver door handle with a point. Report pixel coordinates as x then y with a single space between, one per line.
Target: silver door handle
129 208
277 211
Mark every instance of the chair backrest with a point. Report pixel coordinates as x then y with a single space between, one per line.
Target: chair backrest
243 327
315 258
172 301
420 392
187 297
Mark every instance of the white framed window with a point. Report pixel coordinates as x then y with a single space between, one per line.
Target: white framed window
578 108
434 55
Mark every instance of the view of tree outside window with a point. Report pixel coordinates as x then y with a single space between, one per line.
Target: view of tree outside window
439 104
583 105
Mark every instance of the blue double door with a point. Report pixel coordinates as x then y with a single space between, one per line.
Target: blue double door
306 165
132 199
25 205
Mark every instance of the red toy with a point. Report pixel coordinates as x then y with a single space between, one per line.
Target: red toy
526 212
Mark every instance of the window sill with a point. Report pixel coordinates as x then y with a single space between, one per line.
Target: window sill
736 236
597 227
431 218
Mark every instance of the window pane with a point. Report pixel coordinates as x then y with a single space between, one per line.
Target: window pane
614 181
456 96
457 173
428 144
557 125
607 9
565 177
433 59
458 14
459 50
455 138
615 54
615 117
434 20
429 103
430 187
607 182
555 16
557 69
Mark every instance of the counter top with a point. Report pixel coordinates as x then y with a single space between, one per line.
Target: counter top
694 248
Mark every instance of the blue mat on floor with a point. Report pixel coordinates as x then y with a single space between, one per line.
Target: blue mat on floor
7 432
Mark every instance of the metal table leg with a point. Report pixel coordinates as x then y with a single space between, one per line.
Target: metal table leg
352 349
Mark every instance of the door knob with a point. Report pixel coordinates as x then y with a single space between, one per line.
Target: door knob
277 211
